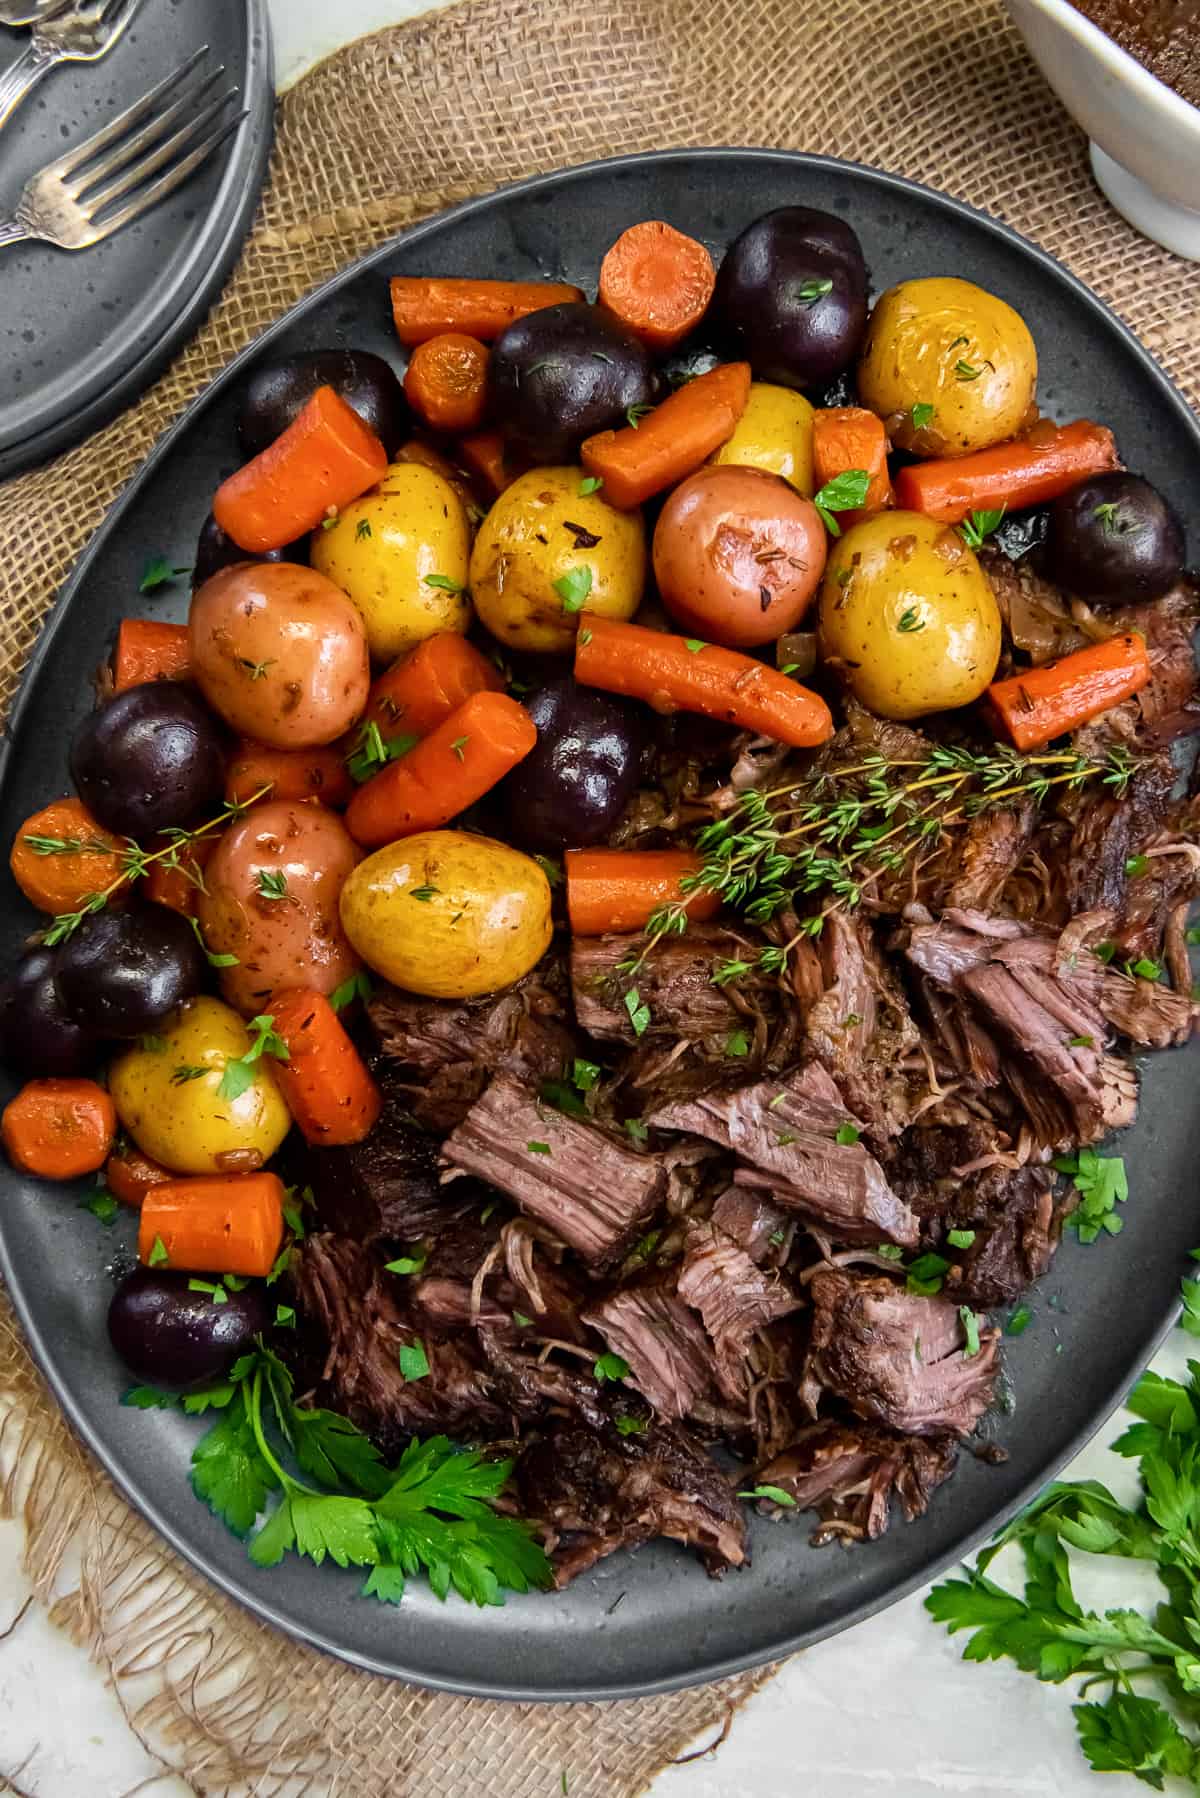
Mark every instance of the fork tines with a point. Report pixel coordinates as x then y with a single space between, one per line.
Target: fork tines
166 134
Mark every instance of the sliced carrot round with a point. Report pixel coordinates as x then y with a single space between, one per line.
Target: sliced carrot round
658 282
60 855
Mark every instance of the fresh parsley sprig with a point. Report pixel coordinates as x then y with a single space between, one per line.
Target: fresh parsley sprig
432 1513
1044 1629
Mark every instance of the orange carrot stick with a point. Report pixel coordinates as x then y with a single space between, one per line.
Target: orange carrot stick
446 382
149 650
287 774
425 306
681 674
429 682
492 462
129 1175
330 1094
180 886
617 889
672 441
325 458
1027 472
59 1129
1042 703
446 772
657 282
60 855
213 1224
847 437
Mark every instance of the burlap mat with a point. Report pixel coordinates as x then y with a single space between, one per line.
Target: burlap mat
392 129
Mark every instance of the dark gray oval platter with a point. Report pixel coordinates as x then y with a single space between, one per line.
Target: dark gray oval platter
1099 1315
84 334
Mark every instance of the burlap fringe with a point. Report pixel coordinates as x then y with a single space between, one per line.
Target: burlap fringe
195 1694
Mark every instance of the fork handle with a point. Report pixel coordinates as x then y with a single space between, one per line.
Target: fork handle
12 231
35 60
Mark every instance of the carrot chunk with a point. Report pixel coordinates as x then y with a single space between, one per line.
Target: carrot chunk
181 884
148 650
493 463
671 441
59 1129
1042 703
681 674
425 306
658 282
618 889
60 856
446 382
1027 472
330 1094
286 774
213 1224
326 458
846 438
129 1175
456 764
427 683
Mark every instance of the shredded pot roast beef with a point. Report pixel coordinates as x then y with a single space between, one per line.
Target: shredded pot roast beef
736 1205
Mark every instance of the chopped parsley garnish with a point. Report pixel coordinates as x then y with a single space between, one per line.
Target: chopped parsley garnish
639 1014
635 414
1020 1321
102 1204
922 415
846 1134
960 1239
158 572
591 483
926 1273
406 1264
970 1324
980 525
845 493
424 893
444 581
1102 1185
158 1256
538 1148
610 1367
414 1362
737 1043
910 620
573 587
359 986
774 1494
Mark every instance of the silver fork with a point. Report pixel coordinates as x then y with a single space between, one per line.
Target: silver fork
28 12
73 203
84 33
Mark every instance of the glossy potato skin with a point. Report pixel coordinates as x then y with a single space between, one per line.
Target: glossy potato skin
561 374
483 926
582 772
903 568
215 550
922 336
126 968
526 543
738 555
774 433
759 304
187 1127
383 546
275 395
38 1035
170 1335
280 653
151 759
296 940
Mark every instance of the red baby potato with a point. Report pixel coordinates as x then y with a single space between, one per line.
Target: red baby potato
738 555
280 653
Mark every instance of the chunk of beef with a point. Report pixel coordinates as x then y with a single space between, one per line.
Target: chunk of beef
752 1221
861 1029
675 982
594 1193
1107 830
1047 1015
599 1491
1036 615
446 1304
388 1185
787 1129
455 1047
841 1024
991 849
735 1300
356 1307
1167 704
670 1358
1012 1213
896 1359
848 1473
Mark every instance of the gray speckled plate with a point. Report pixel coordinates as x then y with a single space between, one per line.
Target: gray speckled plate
82 335
1099 1315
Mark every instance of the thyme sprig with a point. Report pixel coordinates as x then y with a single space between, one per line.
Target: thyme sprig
136 862
828 838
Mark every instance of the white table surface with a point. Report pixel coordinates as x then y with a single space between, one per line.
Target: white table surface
889 1707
